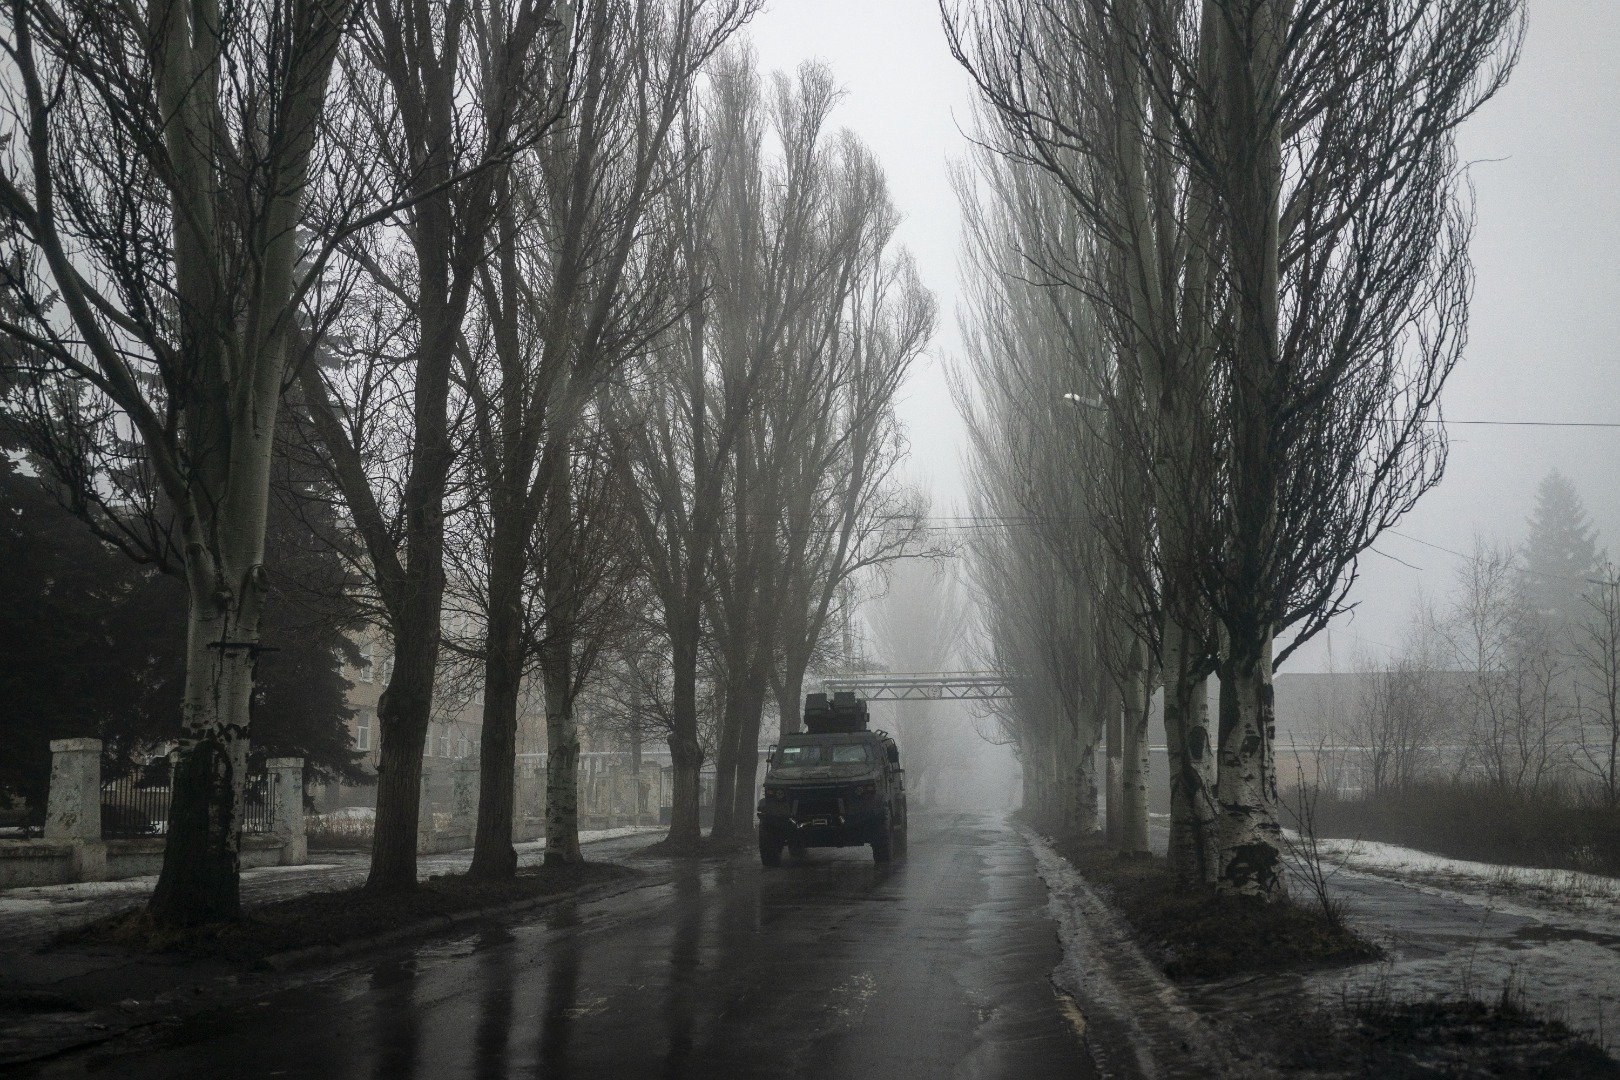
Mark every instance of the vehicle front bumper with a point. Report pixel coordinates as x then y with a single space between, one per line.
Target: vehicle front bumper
828 821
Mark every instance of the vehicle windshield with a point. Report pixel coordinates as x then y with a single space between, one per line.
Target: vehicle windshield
798 754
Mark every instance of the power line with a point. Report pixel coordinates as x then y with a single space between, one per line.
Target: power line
1528 423
1392 558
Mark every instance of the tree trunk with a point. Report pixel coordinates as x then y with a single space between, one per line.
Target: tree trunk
790 697
725 765
1250 838
1193 835
686 754
403 714
1113 770
494 857
1134 763
199 881
1085 783
746 764
562 749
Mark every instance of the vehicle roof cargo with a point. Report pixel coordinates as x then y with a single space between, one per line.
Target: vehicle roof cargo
845 713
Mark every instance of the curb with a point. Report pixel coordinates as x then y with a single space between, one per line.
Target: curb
1119 988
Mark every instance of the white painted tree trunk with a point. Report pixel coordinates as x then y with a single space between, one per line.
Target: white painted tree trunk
1085 789
1250 837
1133 818
1194 839
199 880
1113 771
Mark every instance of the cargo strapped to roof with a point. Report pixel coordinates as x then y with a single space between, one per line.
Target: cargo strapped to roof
844 714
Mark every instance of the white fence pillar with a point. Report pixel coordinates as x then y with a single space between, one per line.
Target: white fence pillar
426 835
287 784
73 805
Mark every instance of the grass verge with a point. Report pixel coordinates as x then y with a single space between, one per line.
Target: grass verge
333 918
1197 934
1417 1040
1221 948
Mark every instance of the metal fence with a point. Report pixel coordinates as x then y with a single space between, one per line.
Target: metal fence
259 815
132 807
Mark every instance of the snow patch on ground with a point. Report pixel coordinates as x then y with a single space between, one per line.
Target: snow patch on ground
44 897
1564 889
41 898
1459 929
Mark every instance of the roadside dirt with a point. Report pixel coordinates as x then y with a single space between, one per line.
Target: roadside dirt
1253 1000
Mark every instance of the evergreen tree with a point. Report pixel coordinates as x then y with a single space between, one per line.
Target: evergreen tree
1559 556
91 641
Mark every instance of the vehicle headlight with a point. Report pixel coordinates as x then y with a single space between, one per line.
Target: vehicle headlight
775 793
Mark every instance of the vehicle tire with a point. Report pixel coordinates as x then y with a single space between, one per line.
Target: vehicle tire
770 849
882 843
900 840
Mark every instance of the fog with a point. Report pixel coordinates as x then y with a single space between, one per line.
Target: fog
1542 156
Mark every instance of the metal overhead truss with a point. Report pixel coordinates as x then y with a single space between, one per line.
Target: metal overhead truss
923 686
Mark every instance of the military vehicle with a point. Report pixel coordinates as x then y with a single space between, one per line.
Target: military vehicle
836 785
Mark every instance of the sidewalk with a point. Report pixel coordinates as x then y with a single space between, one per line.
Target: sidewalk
29 917
54 1001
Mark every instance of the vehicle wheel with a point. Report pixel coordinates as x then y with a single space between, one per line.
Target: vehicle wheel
900 840
770 850
882 845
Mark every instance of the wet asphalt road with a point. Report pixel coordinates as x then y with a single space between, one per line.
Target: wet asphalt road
937 967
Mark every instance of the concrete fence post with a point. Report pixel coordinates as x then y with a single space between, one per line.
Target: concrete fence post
287 783
464 795
73 805
426 835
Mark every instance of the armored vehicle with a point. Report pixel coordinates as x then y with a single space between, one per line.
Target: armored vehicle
836 785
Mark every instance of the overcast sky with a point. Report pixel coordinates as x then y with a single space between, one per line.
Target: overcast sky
1545 160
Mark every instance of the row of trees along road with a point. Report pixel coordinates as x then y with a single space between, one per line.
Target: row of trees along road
759 439
590 337
1225 276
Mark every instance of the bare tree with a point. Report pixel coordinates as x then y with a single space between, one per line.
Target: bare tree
1039 571
440 97
158 162
1517 716
1597 651
577 286
675 427
1320 142
829 324
844 512
1399 718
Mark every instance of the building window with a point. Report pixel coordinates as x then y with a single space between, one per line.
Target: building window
367 666
362 731
444 742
